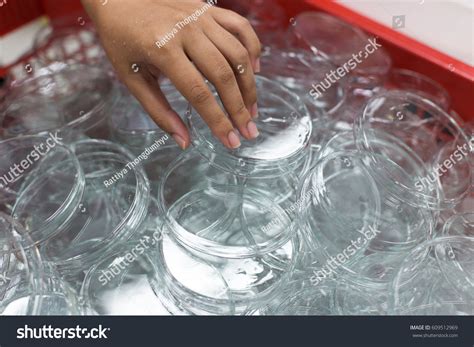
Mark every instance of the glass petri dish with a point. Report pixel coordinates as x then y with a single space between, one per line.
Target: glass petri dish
74 99
205 284
21 271
400 226
339 202
121 283
42 185
300 71
417 83
423 286
285 130
432 137
113 206
345 45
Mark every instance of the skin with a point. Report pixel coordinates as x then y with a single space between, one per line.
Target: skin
219 46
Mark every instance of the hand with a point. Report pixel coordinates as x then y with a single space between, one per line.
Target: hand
219 45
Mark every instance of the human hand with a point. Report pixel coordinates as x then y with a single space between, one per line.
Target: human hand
219 45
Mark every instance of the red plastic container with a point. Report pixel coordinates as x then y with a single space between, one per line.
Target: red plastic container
454 75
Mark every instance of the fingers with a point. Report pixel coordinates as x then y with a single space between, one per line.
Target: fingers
149 94
217 70
239 59
190 83
241 27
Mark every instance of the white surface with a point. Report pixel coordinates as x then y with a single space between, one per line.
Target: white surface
19 42
445 25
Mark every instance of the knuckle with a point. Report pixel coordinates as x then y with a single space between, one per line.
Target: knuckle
225 75
200 94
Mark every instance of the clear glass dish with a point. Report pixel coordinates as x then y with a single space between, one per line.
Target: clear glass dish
111 209
200 283
428 283
285 130
42 185
430 136
341 43
74 99
210 214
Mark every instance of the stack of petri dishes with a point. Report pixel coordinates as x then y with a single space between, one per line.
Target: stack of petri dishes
229 233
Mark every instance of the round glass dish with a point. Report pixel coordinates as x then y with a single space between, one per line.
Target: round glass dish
21 271
438 145
209 212
285 130
347 46
426 283
120 283
400 226
113 205
339 205
69 98
200 283
305 74
42 183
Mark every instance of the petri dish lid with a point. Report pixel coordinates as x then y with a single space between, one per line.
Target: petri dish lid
285 130
430 136
66 97
45 183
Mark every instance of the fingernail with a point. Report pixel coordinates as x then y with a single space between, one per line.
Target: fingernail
254 111
252 129
234 140
257 65
180 141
